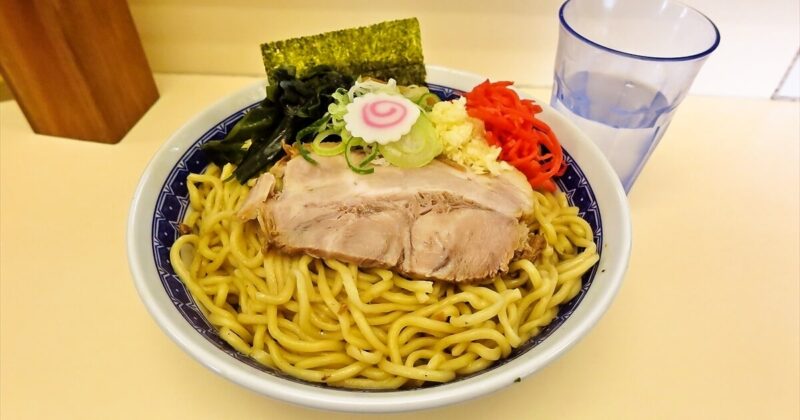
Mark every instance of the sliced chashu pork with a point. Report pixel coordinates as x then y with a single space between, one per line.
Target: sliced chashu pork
434 222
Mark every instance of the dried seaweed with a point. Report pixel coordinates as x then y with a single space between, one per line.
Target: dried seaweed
385 50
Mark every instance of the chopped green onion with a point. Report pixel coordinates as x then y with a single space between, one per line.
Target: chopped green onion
314 127
318 148
373 153
304 152
427 101
361 168
414 93
415 149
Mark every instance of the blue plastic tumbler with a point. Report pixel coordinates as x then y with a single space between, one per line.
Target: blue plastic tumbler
623 67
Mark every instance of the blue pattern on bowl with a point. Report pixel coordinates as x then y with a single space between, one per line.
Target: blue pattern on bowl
173 202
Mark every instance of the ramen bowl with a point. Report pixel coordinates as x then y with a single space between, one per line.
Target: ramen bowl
161 200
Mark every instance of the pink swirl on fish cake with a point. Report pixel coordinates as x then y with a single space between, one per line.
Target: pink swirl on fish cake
383 113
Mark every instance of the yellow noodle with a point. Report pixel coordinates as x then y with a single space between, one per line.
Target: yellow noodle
331 322
326 359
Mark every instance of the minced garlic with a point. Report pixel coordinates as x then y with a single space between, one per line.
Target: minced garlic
464 138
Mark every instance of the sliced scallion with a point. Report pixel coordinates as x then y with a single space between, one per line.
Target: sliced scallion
332 150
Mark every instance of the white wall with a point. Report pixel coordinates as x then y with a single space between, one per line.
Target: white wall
501 39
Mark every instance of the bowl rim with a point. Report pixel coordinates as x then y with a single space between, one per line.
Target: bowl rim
612 203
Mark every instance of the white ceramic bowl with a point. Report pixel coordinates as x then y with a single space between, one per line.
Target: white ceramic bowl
159 202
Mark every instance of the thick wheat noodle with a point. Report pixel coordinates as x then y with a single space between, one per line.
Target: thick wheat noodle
332 322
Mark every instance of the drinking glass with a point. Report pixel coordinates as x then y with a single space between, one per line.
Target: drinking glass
623 67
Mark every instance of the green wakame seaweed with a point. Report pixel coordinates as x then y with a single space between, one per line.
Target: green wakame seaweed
385 50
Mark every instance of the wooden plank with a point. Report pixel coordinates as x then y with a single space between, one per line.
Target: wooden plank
77 68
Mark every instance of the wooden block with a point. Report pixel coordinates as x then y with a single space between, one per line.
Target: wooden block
76 68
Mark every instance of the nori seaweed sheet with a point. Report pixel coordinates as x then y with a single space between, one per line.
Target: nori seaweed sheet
385 50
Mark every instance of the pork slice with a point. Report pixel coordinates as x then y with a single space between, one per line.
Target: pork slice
435 222
462 245
508 193
368 234
256 197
